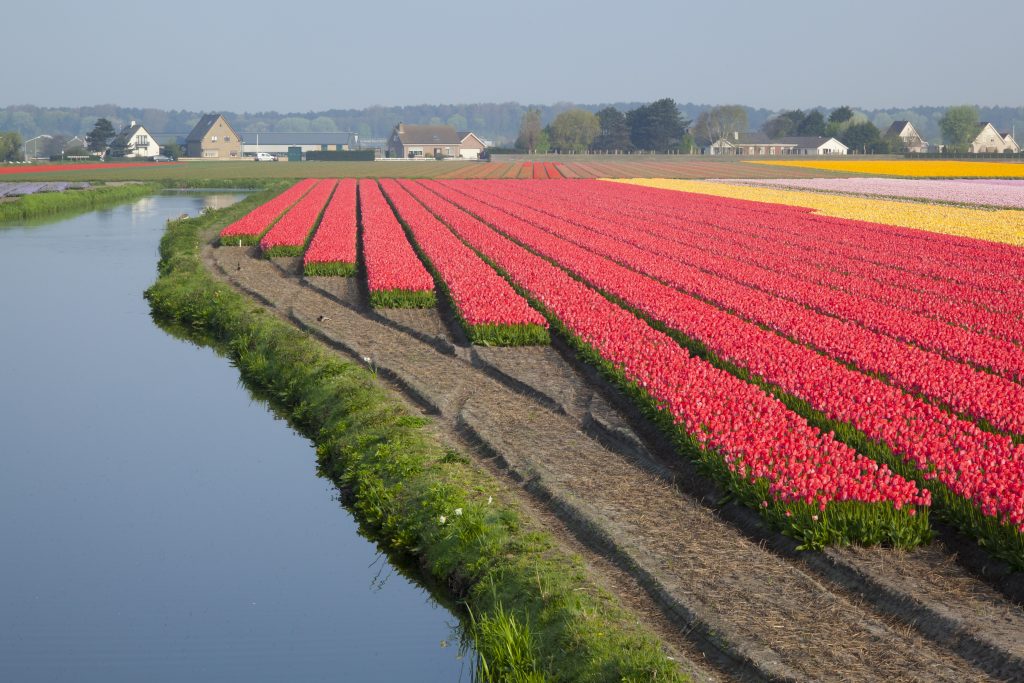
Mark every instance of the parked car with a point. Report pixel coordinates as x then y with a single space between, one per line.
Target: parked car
162 157
265 156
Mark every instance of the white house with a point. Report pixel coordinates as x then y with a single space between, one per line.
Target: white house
814 146
908 136
134 141
991 141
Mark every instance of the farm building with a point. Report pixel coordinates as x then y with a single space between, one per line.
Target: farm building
991 141
411 141
134 141
213 138
814 146
753 144
908 136
759 144
278 143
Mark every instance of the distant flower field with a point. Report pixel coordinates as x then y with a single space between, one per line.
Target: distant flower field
987 192
924 168
996 225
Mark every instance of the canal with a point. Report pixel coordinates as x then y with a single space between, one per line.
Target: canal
157 523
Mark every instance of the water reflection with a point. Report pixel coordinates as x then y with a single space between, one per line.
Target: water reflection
156 523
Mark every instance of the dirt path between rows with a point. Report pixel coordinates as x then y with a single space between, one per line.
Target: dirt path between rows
733 600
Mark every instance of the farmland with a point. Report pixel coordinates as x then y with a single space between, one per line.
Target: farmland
734 390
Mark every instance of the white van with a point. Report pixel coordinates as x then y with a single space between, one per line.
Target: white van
265 156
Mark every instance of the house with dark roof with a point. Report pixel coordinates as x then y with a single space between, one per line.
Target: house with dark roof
991 141
759 144
409 141
748 144
814 145
907 136
213 138
134 141
277 143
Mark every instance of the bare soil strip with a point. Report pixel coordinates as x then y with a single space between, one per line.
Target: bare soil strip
721 589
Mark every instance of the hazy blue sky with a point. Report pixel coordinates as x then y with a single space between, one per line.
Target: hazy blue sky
317 54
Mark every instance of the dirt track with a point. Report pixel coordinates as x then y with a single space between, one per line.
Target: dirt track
733 599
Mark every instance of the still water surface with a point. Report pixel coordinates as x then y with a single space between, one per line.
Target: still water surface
156 523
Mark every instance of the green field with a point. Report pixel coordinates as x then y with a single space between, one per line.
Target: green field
227 170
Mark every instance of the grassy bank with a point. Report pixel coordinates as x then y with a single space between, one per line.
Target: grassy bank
45 204
531 609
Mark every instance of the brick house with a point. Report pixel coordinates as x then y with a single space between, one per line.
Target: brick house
213 138
409 141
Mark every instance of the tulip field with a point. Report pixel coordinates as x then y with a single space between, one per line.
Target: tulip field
973 191
848 379
998 225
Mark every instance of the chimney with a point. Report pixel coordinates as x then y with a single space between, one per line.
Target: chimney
401 127
132 124
736 135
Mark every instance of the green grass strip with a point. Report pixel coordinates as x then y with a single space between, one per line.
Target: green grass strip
339 268
522 334
285 250
535 613
44 204
402 298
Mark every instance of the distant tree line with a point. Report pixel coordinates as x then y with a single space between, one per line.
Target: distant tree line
658 126
497 122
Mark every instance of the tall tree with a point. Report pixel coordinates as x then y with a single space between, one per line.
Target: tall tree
840 114
10 146
574 130
614 133
784 124
100 135
813 124
959 126
529 130
863 137
657 126
720 122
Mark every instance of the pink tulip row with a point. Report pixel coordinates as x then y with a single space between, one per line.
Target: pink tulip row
249 228
982 192
641 246
333 248
482 298
749 434
972 465
288 236
394 274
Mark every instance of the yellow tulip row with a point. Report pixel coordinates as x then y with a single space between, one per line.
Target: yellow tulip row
924 168
997 226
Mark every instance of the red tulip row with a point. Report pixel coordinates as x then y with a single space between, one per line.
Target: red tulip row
289 235
490 310
333 248
725 238
978 476
771 457
981 273
394 274
643 247
997 355
249 228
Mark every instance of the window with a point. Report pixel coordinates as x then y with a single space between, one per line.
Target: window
213 138
209 153
142 141
227 138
